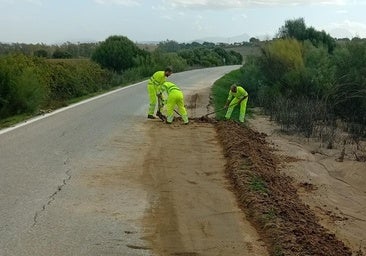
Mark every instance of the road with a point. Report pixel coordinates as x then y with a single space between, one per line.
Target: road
74 181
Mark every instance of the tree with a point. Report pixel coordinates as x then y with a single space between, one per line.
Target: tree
280 57
254 40
117 53
41 53
59 54
297 29
169 46
294 29
208 44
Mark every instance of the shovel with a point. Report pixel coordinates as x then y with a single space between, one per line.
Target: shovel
213 112
221 109
205 117
216 111
177 113
158 113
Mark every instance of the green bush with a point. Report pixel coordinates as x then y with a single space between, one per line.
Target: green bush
75 78
348 94
28 92
22 89
280 57
117 53
302 85
28 84
59 54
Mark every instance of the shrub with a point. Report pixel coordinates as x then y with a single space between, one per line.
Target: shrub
22 88
117 53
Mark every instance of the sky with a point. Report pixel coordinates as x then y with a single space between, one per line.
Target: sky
60 21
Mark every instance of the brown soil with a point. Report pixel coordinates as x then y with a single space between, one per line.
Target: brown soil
193 211
219 188
335 191
269 197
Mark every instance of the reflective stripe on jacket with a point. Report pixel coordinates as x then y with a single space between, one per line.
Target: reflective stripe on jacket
168 87
158 78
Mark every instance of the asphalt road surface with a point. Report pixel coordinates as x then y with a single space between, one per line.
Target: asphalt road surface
55 198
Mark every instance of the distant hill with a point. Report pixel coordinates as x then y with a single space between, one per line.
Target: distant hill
228 40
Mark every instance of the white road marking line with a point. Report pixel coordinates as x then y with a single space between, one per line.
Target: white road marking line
35 119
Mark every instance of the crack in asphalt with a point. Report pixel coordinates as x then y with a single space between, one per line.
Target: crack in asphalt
52 197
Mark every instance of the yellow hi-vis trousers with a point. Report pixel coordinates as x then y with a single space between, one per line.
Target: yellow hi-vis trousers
243 107
151 90
176 98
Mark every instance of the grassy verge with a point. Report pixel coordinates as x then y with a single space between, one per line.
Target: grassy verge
10 121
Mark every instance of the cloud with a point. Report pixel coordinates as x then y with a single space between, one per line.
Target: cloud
166 17
36 2
198 23
119 2
355 28
230 4
342 11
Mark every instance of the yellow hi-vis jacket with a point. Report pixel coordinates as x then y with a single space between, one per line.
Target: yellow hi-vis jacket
168 87
175 98
239 94
157 79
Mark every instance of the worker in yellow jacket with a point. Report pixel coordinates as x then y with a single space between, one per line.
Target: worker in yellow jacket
237 96
175 97
154 90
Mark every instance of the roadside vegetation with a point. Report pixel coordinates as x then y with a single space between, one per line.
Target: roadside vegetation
308 82
312 85
304 79
36 78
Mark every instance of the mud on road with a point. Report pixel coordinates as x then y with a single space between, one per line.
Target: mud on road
192 209
218 188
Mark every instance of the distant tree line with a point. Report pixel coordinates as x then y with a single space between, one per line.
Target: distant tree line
66 50
118 53
205 55
38 76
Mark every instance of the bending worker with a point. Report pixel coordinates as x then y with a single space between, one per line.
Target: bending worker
154 90
237 96
175 98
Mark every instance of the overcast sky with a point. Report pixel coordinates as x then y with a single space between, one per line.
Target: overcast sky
59 21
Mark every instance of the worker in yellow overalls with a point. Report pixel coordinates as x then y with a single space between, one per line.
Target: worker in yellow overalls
175 97
237 96
154 90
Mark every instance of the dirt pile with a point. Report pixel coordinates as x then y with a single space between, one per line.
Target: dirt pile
269 197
